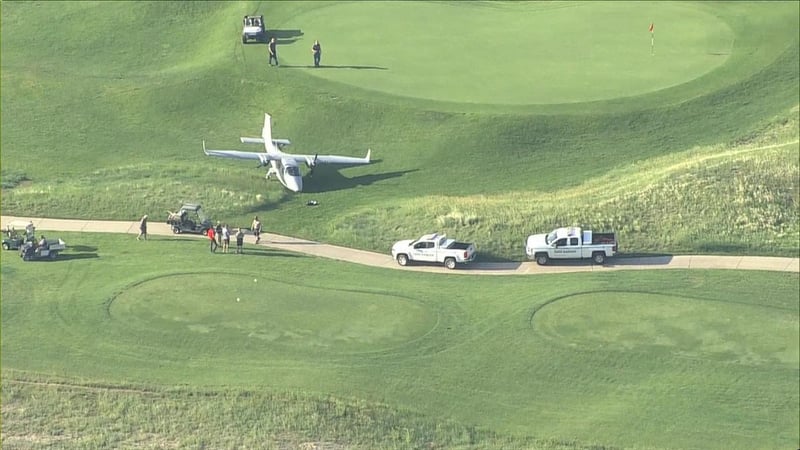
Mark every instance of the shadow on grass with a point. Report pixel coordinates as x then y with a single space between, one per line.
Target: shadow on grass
260 251
284 37
67 257
327 179
83 248
489 266
323 66
263 251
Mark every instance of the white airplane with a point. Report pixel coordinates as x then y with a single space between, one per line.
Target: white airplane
284 166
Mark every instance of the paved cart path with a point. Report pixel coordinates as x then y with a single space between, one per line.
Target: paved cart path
484 268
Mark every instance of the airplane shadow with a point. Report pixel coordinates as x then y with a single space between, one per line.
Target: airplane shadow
327 179
323 66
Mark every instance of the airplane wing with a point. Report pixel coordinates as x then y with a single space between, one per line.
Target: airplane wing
263 158
312 160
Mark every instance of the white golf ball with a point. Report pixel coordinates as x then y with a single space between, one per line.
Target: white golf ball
254 280
237 299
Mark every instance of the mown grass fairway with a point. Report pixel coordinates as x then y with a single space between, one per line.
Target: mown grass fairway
488 121
623 358
124 115
511 53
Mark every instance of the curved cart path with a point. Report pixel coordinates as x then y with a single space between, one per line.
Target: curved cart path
484 268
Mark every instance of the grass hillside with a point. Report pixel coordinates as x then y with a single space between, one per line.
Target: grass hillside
125 341
488 121
118 118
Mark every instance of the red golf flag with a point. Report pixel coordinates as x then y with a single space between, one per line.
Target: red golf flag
651 27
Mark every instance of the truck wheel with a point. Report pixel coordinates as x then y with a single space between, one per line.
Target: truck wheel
402 259
5 246
176 230
599 258
450 263
244 39
541 259
53 255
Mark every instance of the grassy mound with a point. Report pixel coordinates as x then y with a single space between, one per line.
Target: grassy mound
118 118
619 358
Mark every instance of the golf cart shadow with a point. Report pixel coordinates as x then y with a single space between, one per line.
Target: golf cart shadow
65 257
75 256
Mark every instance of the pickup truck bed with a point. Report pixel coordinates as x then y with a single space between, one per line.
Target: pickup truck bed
603 238
459 245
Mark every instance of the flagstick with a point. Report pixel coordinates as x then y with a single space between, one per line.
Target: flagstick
652 43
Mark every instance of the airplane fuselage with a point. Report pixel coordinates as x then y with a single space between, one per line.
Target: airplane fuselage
285 166
287 172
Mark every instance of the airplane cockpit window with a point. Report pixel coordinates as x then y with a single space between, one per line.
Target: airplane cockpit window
292 171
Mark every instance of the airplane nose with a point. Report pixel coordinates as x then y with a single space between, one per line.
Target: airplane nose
294 184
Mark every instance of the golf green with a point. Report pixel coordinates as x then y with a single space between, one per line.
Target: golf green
200 310
514 53
681 326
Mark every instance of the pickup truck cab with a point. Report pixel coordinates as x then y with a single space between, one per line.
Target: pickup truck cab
435 248
571 243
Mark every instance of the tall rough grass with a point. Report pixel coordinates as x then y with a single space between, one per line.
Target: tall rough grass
738 197
135 417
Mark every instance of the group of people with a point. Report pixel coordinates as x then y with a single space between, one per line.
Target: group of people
316 50
220 236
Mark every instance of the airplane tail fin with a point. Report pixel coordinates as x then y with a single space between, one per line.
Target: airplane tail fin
266 132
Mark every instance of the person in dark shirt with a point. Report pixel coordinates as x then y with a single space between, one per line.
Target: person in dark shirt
239 240
142 228
273 51
316 49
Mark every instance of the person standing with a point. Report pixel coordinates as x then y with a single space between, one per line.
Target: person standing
239 240
316 49
142 228
256 227
213 239
273 51
218 232
226 238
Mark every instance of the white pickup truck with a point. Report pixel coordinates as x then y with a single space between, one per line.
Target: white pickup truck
571 243
433 248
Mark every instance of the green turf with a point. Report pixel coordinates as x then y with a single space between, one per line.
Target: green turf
511 53
103 116
291 316
621 358
124 117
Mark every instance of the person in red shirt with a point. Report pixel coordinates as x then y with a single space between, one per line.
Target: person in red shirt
212 237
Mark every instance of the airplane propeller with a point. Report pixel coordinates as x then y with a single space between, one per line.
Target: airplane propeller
311 165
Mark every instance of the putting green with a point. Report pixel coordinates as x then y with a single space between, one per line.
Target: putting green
690 327
239 311
514 53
